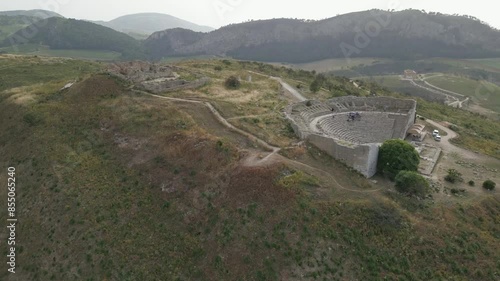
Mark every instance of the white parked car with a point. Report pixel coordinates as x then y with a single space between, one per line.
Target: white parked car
435 133
437 137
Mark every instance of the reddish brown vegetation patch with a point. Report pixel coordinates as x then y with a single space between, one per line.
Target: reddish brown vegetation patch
258 184
95 88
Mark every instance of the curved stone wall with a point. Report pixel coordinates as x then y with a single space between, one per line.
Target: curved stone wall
354 142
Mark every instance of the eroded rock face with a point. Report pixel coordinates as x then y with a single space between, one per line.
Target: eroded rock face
154 77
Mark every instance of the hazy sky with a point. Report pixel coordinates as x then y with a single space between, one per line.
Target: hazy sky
217 13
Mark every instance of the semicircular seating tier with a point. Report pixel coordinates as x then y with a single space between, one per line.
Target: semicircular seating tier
377 118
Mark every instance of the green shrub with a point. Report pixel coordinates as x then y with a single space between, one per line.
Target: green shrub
453 176
315 86
32 119
218 68
489 185
472 183
221 147
232 83
410 182
454 128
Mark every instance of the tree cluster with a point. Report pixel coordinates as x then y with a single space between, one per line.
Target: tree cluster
398 160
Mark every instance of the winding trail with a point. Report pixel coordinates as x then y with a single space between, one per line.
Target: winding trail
461 99
443 90
452 97
447 146
296 94
250 116
221 119
253 159
292 162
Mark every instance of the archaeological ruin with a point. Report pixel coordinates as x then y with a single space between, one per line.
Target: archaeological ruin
153 77
351 129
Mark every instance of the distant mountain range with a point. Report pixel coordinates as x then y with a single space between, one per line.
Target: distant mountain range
42 14
410 34
61 33
140 26
12 21
148 23
406 34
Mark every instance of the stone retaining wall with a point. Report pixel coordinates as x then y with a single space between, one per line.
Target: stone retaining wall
363 158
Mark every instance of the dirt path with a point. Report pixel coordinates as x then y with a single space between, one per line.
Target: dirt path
250 116
452 97
473 166
436 87
461 99
449 147
256 158
443 90
295 94
223 121
325 173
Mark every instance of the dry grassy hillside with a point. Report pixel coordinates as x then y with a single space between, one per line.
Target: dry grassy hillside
114 184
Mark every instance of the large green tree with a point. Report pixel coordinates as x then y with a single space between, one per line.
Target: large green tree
396 156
